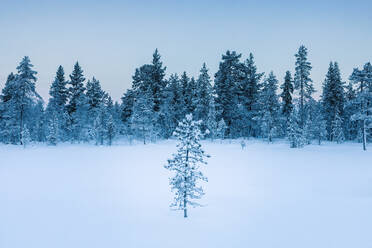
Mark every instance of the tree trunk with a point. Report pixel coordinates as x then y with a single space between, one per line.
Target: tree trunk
21 127
302 106
185 192
364 136
184 207
144 135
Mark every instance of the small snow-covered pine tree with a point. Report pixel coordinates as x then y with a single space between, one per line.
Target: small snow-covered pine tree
186 165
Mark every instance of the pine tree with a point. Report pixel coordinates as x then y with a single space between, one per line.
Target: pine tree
111 129
302 81
58 91
25 137
77 104
221 129
95 94
337 130
211 122
8 89
203 97
56 109
186 95
286 96
77 89
333 97
53 129
99 125
319 125
249 92
143 117
127 111
226 83
157 82
7 121
269 118
38 123
96 100
186 165
363 81
351 107
21 97
171 108
295 133
308 130
192 90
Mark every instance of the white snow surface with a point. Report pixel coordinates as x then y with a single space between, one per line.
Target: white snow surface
266 195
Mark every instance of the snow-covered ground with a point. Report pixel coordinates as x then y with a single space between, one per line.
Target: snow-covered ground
263 196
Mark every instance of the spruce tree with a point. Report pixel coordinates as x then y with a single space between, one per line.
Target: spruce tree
21 97
211 122
337 129
126 113
76 89
38 123
95 94
351 107
58 91
296 136
186 94
25 137
171 107
8 89
56 109
226 85
249 92
333 97
157 83
192 91
269 114
143 118
186 165
100 125
221 129
7 120
363 81
53 130
319 125
204 95
303 82
77 104
110 129
286 96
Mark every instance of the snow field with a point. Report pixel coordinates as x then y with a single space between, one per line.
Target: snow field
262 196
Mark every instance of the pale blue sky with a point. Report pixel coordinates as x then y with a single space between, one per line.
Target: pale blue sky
111 38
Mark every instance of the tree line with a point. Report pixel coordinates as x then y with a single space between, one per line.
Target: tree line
241 103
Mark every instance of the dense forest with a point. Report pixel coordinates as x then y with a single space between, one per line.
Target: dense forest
242 102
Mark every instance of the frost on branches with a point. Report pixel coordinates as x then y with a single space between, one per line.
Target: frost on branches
186 165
